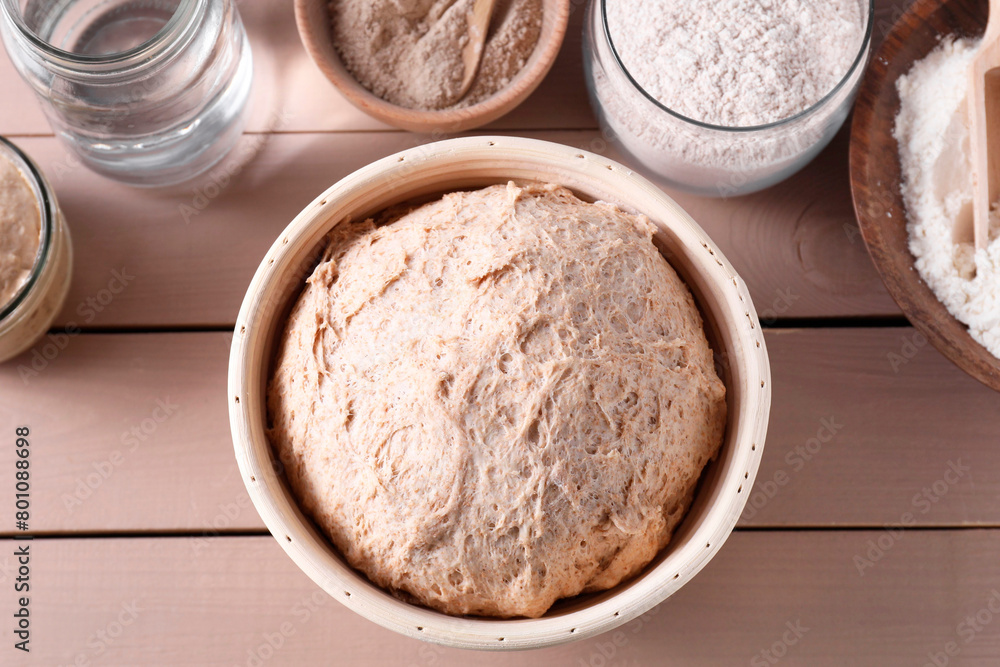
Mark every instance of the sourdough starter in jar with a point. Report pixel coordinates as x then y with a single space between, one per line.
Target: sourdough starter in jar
36 257
20 230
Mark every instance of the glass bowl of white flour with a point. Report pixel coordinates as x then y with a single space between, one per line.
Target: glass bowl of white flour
725 97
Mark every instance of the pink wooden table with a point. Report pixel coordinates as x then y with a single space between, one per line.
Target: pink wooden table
147 548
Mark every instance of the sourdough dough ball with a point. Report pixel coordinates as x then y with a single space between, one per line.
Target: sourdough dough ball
500 399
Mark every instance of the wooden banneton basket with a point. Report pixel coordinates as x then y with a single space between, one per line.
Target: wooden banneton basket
731 324
313 19
875 177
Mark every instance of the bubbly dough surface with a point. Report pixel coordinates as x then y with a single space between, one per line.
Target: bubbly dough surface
20 230
502 398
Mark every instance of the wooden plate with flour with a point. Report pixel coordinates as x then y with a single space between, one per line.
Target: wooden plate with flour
875 177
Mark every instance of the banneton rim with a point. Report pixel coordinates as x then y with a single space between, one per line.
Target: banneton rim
731 324
859 60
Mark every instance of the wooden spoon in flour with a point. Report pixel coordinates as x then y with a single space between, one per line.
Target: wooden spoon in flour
479 23
984 127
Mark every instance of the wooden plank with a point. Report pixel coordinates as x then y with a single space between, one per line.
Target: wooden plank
127 432
291 95
241 601
834 456
869 425
190 252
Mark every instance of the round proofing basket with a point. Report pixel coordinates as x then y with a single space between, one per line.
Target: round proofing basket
730 321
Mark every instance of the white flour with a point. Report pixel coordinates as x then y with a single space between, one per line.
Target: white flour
933 135
765 66
736 63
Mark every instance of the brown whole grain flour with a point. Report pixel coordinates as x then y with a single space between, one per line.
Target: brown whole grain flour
409 52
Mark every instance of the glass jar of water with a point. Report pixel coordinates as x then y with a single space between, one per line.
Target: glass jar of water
148 92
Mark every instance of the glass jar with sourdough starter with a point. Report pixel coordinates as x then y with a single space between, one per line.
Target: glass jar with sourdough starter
148 92
36 257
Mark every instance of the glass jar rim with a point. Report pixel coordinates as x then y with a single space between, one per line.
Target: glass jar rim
858 59
47 214
143 53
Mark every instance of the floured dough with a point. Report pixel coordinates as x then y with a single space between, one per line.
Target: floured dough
500 399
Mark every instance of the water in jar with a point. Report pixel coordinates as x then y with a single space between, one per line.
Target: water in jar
150 92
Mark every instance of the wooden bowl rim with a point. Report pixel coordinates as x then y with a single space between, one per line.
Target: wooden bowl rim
499 158
555 20
913 296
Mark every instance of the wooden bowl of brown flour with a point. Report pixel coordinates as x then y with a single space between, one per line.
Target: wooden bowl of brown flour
399 61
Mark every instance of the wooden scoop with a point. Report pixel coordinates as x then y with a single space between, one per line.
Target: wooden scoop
479 23
984 128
